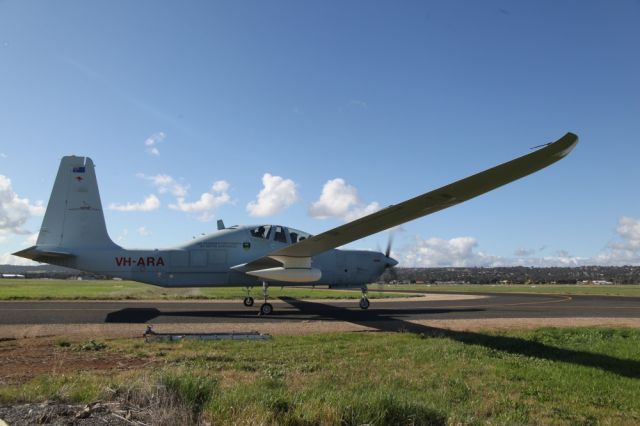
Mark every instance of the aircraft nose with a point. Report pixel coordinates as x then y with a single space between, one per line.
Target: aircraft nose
391 261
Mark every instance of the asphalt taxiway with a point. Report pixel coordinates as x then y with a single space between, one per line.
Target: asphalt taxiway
291 310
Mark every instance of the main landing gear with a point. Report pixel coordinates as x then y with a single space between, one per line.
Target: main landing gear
266 308
364 300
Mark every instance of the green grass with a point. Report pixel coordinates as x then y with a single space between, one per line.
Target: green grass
577 289
34 289
545 376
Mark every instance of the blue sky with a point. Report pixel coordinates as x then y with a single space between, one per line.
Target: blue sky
191 110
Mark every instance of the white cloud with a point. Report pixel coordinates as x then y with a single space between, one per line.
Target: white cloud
338 199
463 251
437 252
31 239
629 230
15 211
122 236
208 202
152 141
151 202
276 195
627 250
165 183
360 211
143 231
3 155
9 259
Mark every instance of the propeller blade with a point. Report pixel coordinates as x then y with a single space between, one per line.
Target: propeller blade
389 244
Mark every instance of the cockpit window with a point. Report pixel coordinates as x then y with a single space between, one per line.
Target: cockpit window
297 236
261 232
280 236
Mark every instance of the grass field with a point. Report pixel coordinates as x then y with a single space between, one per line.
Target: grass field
17 289
604 290
582 376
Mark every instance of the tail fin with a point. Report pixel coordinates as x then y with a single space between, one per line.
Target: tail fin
74 217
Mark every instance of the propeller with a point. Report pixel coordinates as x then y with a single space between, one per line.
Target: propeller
391 263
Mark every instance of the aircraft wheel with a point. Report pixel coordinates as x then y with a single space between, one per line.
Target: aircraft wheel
248 301
364 303
266 309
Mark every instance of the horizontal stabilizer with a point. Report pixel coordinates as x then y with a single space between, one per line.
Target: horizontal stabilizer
45 256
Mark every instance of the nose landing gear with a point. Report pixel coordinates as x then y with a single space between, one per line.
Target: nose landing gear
248 300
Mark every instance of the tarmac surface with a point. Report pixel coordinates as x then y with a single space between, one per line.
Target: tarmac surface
290 310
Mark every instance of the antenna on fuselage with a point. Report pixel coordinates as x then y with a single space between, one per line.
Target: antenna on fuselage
221 225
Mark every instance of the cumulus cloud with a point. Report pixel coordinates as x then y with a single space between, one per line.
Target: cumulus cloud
464 252
9 259
151 202
208 202
340 200
276 195
437 252
15 211
152 143
143 231
625 251
629 230
165 183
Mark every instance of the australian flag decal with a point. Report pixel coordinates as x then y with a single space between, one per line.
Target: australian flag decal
80 169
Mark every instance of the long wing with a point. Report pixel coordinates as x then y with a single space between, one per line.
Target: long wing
433 201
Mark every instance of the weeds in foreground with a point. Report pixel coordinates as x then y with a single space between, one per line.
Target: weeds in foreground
545 376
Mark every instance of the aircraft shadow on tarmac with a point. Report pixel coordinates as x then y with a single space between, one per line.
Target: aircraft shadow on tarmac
389 321
312 312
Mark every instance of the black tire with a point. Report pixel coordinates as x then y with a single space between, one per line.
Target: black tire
364 303
248 301
266 309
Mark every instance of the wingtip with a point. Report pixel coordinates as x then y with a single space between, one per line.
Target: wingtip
570 140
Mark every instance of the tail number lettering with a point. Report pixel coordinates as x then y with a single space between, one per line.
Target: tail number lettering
141 261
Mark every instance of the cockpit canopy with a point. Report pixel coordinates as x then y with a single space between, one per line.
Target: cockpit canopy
279 233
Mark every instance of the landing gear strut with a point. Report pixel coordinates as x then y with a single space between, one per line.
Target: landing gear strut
265 308
248 300
364 300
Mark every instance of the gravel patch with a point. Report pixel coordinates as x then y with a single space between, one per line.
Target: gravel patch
59 414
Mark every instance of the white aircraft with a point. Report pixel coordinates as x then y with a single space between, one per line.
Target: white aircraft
74 234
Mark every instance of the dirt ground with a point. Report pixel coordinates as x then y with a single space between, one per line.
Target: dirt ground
26 358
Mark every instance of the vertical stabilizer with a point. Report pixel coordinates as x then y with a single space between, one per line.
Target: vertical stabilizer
74 216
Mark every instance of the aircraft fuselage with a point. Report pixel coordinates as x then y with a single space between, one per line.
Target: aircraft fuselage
207 261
